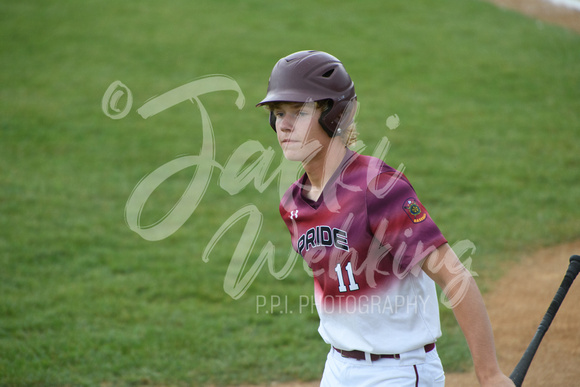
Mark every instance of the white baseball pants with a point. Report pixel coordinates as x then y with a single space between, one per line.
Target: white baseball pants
413 369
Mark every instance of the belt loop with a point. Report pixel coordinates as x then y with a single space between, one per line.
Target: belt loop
368 358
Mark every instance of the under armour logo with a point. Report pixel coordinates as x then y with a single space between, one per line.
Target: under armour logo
294 214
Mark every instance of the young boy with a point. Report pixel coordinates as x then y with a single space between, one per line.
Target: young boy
375 252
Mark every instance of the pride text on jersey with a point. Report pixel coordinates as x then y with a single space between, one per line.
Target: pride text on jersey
324 236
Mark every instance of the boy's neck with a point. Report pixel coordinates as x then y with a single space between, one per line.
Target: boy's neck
321 168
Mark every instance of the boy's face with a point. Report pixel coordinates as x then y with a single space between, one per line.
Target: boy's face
299 132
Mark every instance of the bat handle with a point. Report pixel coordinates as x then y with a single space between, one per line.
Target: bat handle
519 372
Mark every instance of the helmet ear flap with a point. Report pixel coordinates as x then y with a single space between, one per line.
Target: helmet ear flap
327 121
338 115
273 120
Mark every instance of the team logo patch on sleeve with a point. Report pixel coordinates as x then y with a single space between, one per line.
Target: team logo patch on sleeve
414 210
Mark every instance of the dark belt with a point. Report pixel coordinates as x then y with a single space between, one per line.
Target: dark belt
360 355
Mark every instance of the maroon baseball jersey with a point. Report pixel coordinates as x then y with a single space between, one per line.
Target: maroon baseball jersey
363 239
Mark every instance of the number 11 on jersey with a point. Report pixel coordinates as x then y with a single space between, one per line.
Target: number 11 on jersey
352 285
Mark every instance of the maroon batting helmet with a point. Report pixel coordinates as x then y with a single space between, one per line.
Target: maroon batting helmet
307 76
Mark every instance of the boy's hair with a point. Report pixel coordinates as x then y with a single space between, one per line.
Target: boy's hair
348 135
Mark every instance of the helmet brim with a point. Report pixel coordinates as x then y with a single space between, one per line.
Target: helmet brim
290 96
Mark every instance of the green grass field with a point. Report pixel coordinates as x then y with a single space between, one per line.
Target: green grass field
489 103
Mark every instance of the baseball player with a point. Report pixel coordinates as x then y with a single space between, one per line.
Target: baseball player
374 250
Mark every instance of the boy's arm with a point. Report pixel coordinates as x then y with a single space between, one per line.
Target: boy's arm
444 267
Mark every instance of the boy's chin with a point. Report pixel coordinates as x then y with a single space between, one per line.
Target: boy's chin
292 156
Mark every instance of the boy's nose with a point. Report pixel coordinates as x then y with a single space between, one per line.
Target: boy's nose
285 123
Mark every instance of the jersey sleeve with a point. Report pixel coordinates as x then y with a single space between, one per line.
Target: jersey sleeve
400 222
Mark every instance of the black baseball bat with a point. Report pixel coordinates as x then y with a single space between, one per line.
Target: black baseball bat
521 369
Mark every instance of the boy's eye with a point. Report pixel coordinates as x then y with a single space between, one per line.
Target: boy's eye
294 113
